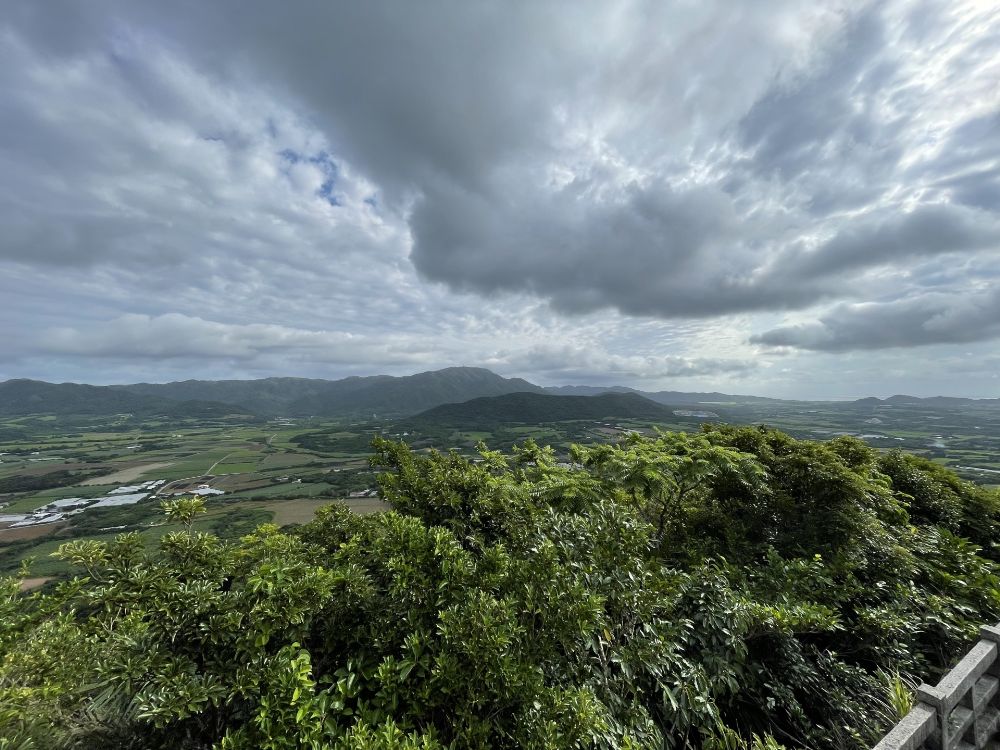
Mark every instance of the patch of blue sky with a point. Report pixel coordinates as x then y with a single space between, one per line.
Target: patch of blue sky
326 192
326 164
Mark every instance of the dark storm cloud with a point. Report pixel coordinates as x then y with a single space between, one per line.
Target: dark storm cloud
821 141
645 250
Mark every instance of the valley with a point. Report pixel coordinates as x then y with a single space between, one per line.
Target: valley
75 476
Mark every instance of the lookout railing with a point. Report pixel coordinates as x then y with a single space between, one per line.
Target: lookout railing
961 712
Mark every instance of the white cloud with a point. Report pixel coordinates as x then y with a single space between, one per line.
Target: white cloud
240 188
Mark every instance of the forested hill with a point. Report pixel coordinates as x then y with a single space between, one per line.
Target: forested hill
536 408
262 396
383 395
23 397
408 395
732 590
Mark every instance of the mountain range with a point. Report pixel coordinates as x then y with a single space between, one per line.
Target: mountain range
24 397
379 395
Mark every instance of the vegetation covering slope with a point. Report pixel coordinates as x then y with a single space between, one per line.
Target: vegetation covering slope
262 395
537 408
378 394
27 397
727 589
409 395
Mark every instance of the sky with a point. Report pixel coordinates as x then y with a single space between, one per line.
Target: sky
791 199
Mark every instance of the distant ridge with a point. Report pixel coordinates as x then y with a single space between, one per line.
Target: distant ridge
381 395
869 401
23 397
535 408
385 396
263 396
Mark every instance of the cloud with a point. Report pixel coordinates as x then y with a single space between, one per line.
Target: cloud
826 112
177 336
435 183
567 361
894 238
645 250
102 169
827 173
927 319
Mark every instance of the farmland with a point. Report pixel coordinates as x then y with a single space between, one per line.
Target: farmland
67 478
85 472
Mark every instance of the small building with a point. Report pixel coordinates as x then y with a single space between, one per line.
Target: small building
113 500
69 502
204 489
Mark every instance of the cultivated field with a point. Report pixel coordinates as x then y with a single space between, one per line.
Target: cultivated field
77 471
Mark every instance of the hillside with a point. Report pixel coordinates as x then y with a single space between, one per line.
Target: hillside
24 397
537 408
403 396
263 396
384 395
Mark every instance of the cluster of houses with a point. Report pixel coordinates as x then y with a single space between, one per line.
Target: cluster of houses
202 490
57 510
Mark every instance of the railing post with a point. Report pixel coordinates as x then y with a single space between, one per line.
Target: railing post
937 699
960 712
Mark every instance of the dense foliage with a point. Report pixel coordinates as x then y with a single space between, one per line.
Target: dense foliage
730 589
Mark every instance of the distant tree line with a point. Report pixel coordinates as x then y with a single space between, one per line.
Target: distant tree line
37 482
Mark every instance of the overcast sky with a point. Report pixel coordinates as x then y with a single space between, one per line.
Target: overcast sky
792 199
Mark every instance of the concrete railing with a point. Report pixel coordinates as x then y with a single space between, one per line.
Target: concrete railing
961 711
